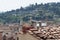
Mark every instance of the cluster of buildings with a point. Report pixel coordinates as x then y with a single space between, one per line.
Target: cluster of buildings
46 33
12 31
9 31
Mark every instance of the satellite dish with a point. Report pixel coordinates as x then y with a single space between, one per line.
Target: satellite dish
37 24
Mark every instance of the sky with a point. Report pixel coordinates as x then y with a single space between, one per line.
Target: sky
7 5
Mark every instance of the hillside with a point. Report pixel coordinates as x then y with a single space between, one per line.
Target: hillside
49 11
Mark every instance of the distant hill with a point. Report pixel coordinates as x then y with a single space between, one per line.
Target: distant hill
49 11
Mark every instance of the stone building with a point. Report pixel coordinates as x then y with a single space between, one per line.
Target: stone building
41 23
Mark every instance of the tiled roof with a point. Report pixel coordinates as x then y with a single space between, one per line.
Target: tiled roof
47 32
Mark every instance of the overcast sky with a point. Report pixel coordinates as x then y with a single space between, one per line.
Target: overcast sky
7 5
